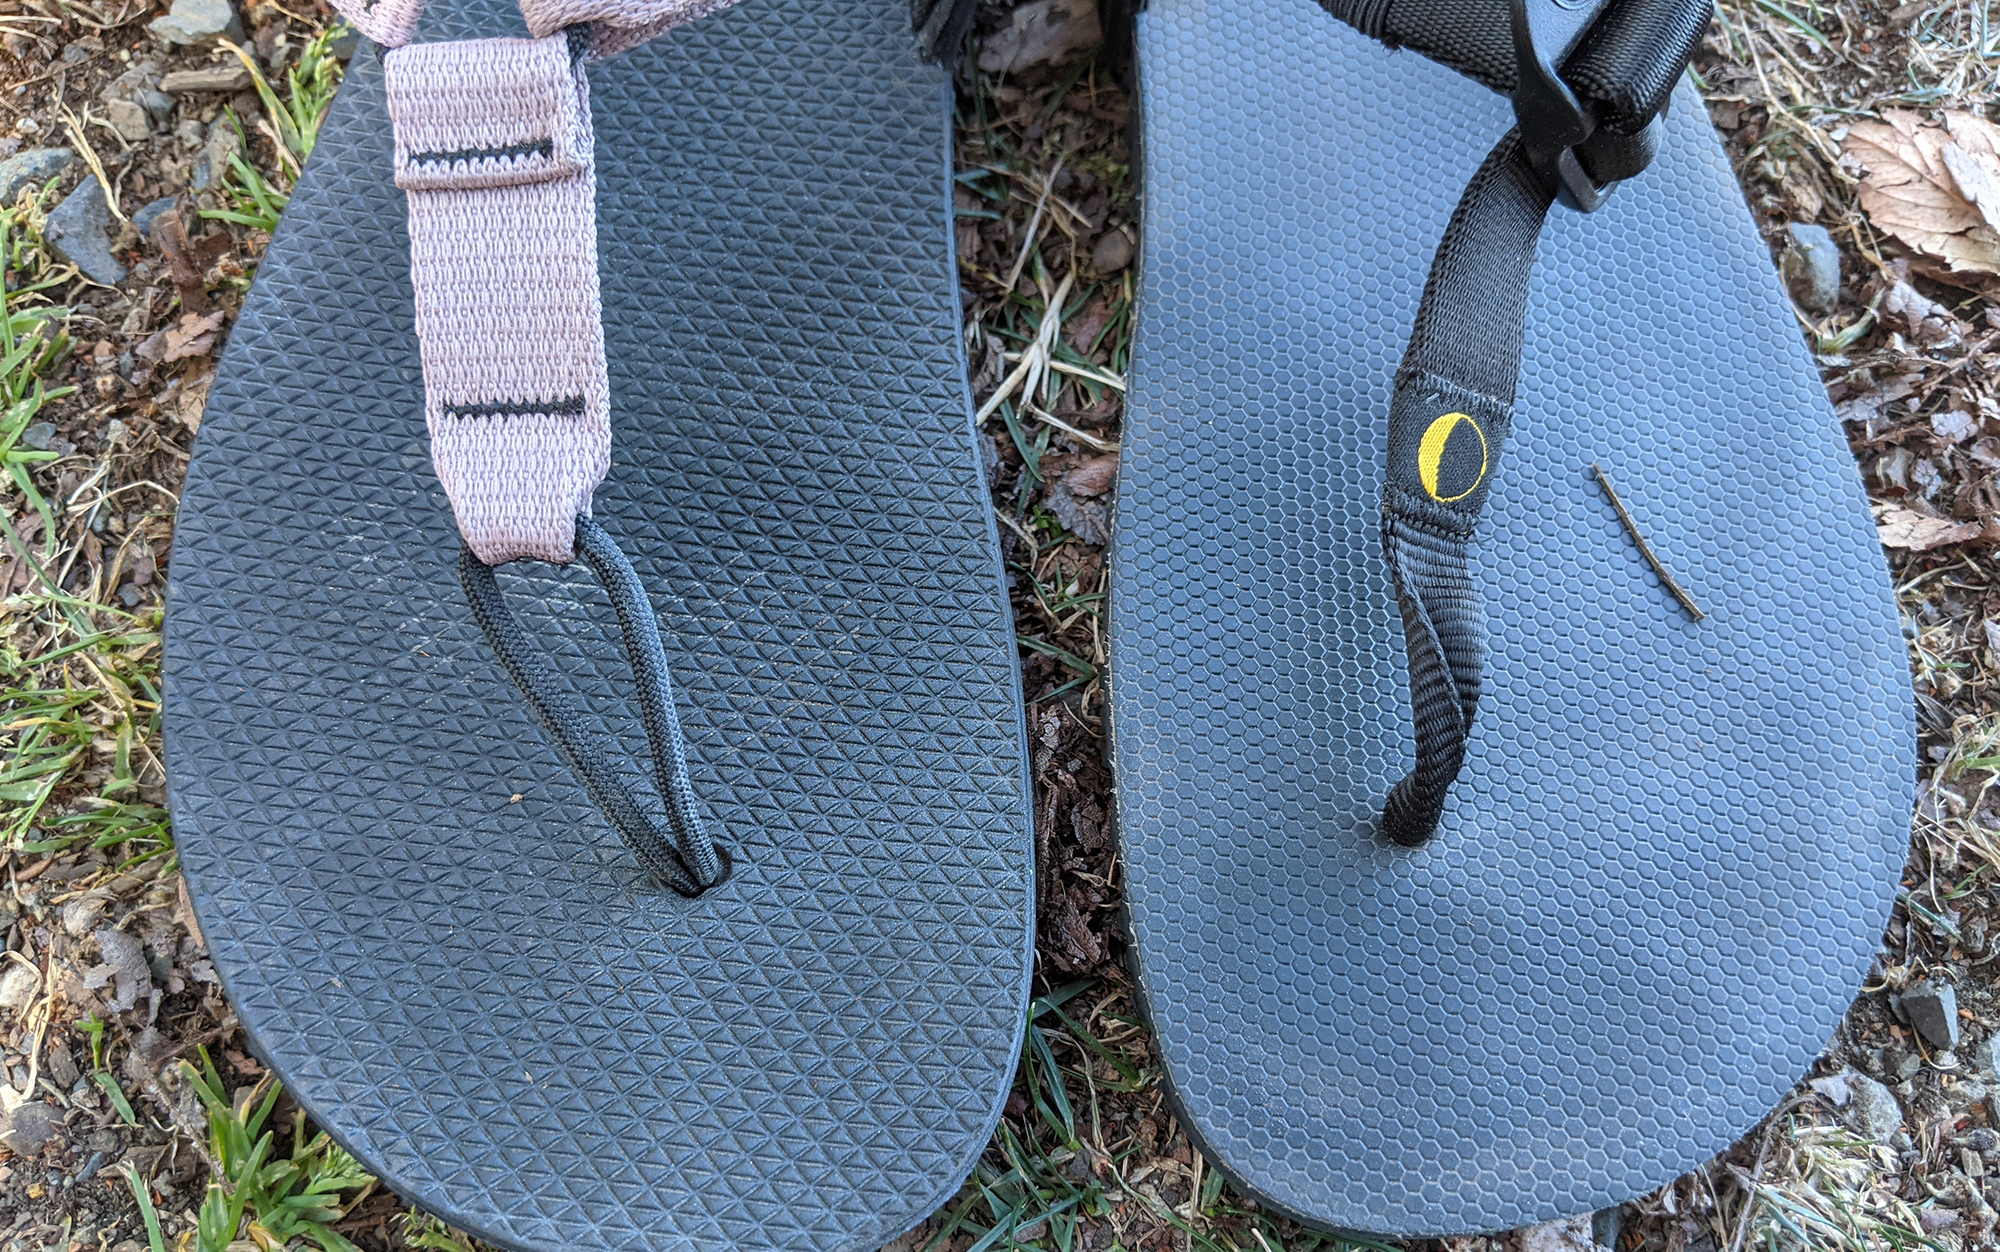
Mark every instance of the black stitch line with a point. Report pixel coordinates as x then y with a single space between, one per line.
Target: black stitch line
539 147
572 407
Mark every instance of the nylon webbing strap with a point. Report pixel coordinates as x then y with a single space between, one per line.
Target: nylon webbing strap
1453 404
1448 421
1626 65
493 149
494 152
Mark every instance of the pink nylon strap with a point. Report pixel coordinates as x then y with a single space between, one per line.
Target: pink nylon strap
494 153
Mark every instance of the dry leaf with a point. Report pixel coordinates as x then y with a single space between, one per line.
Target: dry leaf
1936 188
1955 425
1902 528
1927 323
191 337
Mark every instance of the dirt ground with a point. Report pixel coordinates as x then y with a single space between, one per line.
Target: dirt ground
113 1030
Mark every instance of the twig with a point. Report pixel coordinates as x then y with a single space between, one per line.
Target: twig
1646 549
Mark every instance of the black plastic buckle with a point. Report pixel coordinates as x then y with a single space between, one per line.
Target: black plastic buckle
1553 121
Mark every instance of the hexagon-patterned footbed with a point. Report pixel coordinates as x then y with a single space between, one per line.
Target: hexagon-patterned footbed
1669 858
427 930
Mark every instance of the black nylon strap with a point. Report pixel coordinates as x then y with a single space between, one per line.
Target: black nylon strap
1448 421
1624 67
687 860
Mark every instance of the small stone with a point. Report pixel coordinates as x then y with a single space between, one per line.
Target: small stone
198 22
1934 1220
158 103
129 119
1871 1110
1933 1010
1985 1056
230 75
190 134
60 1066
1112 253
29 1129
1980 1140
1965 1093
142 221
1812 266
36 165
1945 1060
1908 1066
39 437
18 985
1834 1088
80 231
213 162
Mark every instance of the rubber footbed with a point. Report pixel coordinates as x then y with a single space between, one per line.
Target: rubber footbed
1669 858
426 929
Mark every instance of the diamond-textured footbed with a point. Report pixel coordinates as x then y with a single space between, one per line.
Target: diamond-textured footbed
1667 863
426 929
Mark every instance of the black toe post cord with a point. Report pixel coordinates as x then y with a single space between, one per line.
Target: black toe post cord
684 857
1589 83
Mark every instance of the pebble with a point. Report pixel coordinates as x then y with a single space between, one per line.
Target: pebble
1112 253
1908 1067
198 22
60 1066
36 165
1985 1055
213 163
29 1129
130 119
39 437
142 221
18 985
1980 1140
80 231
1871 1110
1812 265
1933 1010
1934 1220
227 75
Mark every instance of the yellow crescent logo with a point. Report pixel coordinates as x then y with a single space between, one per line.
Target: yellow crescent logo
1430 457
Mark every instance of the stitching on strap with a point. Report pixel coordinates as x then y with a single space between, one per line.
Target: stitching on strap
572 407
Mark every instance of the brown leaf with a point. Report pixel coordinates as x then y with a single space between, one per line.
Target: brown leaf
1927 323
193 336
1936 188
1902 528
1093 477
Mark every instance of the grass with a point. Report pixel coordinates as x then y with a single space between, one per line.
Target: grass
290 123
296 1197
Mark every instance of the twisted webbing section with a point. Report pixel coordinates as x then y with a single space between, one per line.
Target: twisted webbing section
1448 422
